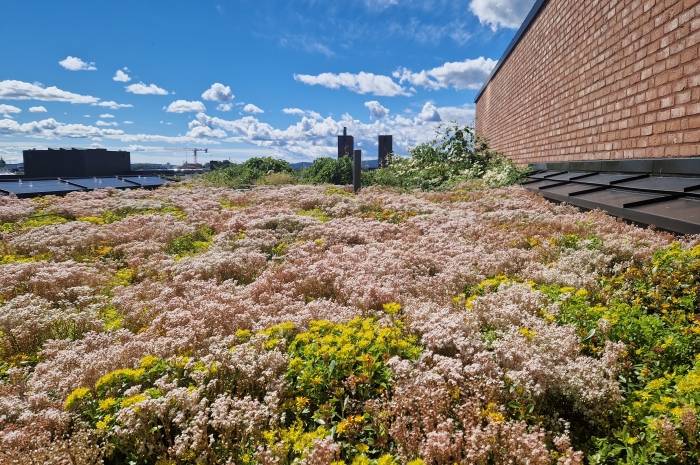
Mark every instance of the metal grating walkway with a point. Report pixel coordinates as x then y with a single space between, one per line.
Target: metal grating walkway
668 201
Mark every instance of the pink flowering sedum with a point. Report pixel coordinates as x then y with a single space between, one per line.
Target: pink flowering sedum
162 324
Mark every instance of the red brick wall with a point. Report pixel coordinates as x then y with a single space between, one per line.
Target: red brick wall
595 79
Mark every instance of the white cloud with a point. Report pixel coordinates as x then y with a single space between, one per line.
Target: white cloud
121 75
314 135
307 44
461 115
425 31
112 105
224 107
380 4
429 112
360 83
20 90
186 106
205 132
218 93
6 110
250 108
146 89
52 129
501 13
127 122
106 123
376 109
467 74
38 109
76 64
300 112
106 115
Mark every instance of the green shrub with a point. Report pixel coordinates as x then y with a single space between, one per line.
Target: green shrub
247 173
277 179
329 171
456 155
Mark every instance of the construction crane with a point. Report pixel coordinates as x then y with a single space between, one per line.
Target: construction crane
195 151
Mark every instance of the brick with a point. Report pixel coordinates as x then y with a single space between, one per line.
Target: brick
691 136
623 81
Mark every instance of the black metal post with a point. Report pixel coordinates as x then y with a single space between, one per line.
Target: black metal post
385 146
357 170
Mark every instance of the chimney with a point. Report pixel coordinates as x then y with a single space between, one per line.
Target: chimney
385 147
346 144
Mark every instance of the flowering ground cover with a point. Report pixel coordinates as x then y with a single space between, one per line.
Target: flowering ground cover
306 324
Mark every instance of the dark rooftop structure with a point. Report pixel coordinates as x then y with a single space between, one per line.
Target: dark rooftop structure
346 145
75 163
660 192
385 144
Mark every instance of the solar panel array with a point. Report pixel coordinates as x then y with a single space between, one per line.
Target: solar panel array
100 183
36 187
670 202
145 181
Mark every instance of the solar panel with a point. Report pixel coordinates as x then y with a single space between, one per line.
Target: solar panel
26 188
100 183
145 181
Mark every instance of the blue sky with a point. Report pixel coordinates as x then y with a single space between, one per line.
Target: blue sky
243 78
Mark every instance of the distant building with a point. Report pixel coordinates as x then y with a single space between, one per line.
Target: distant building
75 163
191 166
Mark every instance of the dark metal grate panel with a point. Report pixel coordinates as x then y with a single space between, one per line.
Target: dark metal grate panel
663 183
541 183
606 179
570 176
682 209
668 201
617 197
568 189
546 174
